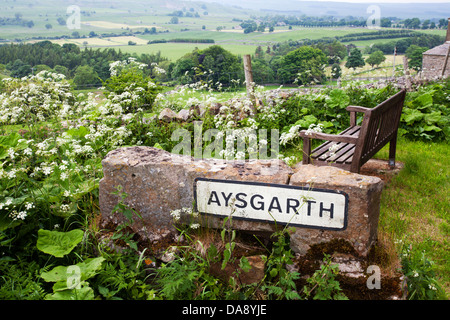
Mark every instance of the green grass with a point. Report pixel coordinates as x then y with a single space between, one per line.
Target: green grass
415 205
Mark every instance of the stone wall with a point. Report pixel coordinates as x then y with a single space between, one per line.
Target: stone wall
158 182
432 66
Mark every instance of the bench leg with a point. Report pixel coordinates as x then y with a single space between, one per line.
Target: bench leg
392 148
306 151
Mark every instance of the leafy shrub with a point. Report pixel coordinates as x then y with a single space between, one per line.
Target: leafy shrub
420 275
426 114
36 98
131 86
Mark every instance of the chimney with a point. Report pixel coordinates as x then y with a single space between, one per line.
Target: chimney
448 31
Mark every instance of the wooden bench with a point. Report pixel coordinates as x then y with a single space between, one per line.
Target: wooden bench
354 146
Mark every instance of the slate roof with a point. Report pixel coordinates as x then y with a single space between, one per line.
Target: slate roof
439 50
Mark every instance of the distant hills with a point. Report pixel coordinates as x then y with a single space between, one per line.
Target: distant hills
425 10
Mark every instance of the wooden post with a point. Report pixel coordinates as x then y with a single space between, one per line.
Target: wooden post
249 79
407 75
248 75
445 62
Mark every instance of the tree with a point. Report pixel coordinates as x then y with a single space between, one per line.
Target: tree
85 76
336 71
19 68
196 66
426 24
355 59
375 58
249 26
61 21
385 23
335 51
414 55
174 20
303 65
129 76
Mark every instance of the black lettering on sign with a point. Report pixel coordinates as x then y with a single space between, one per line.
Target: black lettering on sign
293 207
330 210
272 205
226 198
309 206
260 203
215 200
238 198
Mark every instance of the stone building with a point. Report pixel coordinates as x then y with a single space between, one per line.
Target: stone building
435 61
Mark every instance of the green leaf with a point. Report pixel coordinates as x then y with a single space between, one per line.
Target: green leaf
432 128
83 293
11 141
423 101
87 269
58 243
306 121
337 98
157 145
273 273
78 133
432 117
412 115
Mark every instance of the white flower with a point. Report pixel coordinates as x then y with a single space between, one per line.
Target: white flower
18 215
291 135
332 149
314 129
240 155
47 170
176 214
28 152
11 153
11 174
29 205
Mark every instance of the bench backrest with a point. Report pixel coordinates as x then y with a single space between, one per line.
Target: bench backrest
379 126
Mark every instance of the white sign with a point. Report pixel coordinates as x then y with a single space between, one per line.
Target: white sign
283 204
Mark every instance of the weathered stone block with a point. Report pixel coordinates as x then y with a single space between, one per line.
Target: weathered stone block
364 194
158 182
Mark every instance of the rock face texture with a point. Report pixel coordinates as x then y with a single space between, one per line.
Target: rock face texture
158 182
364 194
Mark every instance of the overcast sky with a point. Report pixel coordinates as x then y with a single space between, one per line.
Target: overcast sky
386 1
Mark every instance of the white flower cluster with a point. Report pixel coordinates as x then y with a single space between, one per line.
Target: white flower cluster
35 97
176 214
116 66
290 135
313 128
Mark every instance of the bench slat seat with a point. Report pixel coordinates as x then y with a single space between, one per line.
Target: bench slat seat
354 146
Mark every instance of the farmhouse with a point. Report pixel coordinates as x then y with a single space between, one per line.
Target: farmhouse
435 61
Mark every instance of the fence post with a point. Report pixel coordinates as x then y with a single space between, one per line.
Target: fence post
249 79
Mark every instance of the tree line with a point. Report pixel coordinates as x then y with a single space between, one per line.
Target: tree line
300 62
87 67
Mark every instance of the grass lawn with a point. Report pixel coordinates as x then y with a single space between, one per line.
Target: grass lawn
415 205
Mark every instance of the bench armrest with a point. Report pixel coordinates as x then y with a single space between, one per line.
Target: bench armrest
329 137
353 110
357 109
